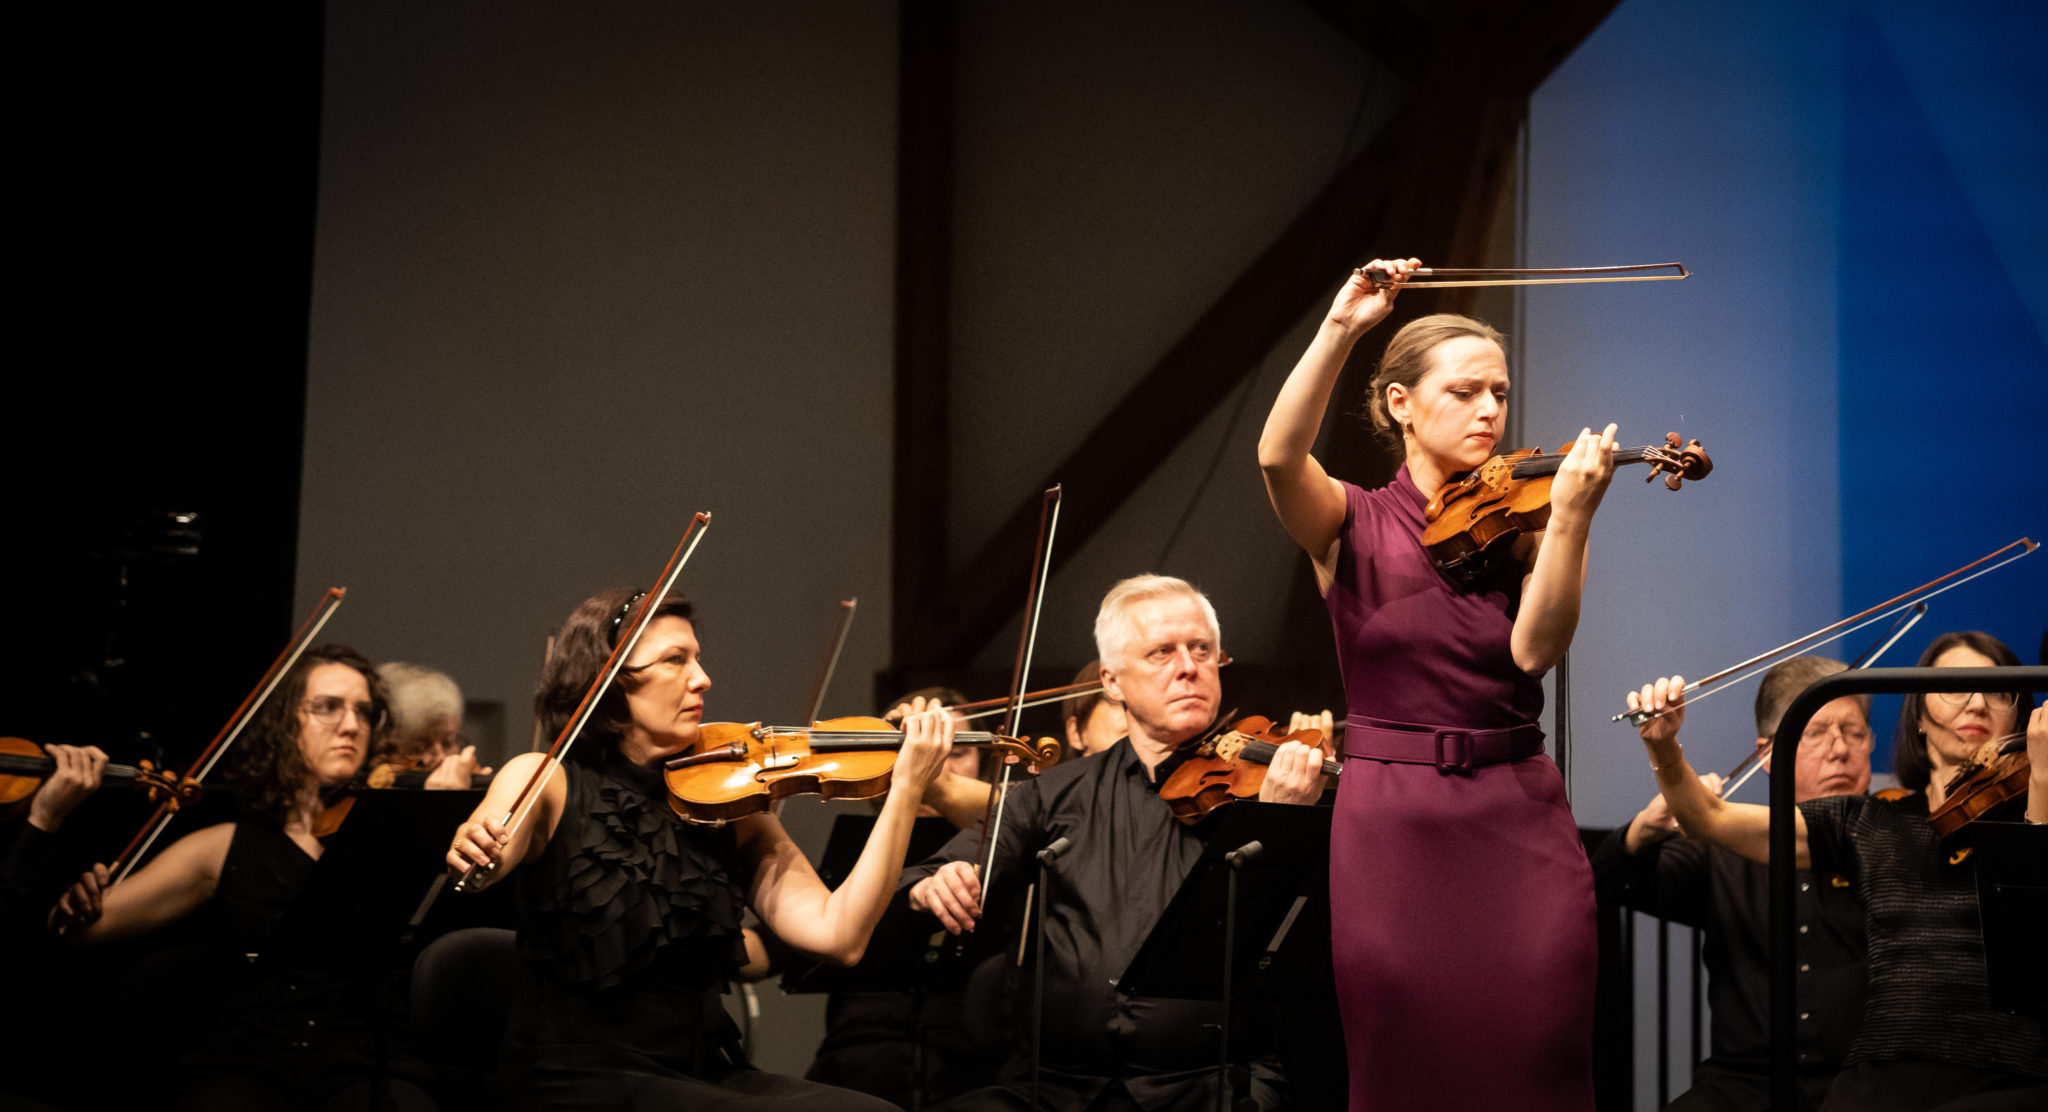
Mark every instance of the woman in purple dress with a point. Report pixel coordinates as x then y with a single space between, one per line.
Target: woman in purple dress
1461 901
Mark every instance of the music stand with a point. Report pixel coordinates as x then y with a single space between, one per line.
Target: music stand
1254 911
900 952
375 881
375 874
908 953
2012 901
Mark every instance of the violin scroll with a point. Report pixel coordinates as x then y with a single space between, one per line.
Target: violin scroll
1677 463
166 788
1040 754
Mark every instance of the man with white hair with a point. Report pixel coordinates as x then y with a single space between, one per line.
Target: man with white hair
426 730
1160 645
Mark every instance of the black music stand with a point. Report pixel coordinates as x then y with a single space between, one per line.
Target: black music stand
908 953
1252 917
375 872
375 882
900 955
2012 901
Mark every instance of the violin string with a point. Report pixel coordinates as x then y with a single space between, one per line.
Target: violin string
1773 657
1759 668
1028 704
1426 284
1868 659
1049 528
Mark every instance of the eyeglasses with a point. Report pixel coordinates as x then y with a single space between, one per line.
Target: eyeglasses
328 709
1860 738
1996 700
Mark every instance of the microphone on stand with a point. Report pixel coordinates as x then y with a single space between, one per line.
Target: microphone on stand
1051 853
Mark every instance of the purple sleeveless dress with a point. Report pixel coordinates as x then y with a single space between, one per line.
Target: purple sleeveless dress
1461 903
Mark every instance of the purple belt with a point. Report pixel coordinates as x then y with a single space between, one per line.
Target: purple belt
1449 750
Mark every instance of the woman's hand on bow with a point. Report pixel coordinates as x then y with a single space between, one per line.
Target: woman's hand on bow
1361 304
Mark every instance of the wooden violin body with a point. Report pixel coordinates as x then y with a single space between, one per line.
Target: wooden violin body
1471 524
1981 787
737 769
1231 766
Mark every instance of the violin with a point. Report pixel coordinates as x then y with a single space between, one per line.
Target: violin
24 766
1473 521
1981 786
736 770
1230 766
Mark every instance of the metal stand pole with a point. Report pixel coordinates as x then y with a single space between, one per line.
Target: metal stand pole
1046 857
1236 860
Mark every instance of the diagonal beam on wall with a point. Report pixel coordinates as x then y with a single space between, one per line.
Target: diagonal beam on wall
1415 187
1228 340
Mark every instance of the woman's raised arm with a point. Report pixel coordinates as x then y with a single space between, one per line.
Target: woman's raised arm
1744 828
1311 503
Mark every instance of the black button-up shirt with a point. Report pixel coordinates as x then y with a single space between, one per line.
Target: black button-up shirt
1128 857
1728 896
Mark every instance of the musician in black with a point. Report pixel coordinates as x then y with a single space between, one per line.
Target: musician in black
298 1025
1930 1039
1646 866
1160 645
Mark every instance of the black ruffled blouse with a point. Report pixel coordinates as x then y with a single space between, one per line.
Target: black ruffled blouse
629 928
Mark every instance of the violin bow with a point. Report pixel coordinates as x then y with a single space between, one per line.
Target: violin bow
218 747
982 708
629 637
1754 666
842 624
1034 602
1447 277
1755 760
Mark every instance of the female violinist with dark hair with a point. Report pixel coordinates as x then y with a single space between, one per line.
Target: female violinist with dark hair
294 1032
1930 1038
629 919
1937 734
1462 901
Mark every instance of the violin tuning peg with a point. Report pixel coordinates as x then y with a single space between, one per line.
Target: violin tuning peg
1672 481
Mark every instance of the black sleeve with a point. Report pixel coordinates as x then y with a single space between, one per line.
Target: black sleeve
1022 829
31 879
1668 879
1828 822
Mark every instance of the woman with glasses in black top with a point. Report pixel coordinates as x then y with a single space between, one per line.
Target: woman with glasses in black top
1930 1040
296 1028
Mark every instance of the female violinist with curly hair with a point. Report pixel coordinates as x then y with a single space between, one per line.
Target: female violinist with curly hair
294 1030
1462 902
629 919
